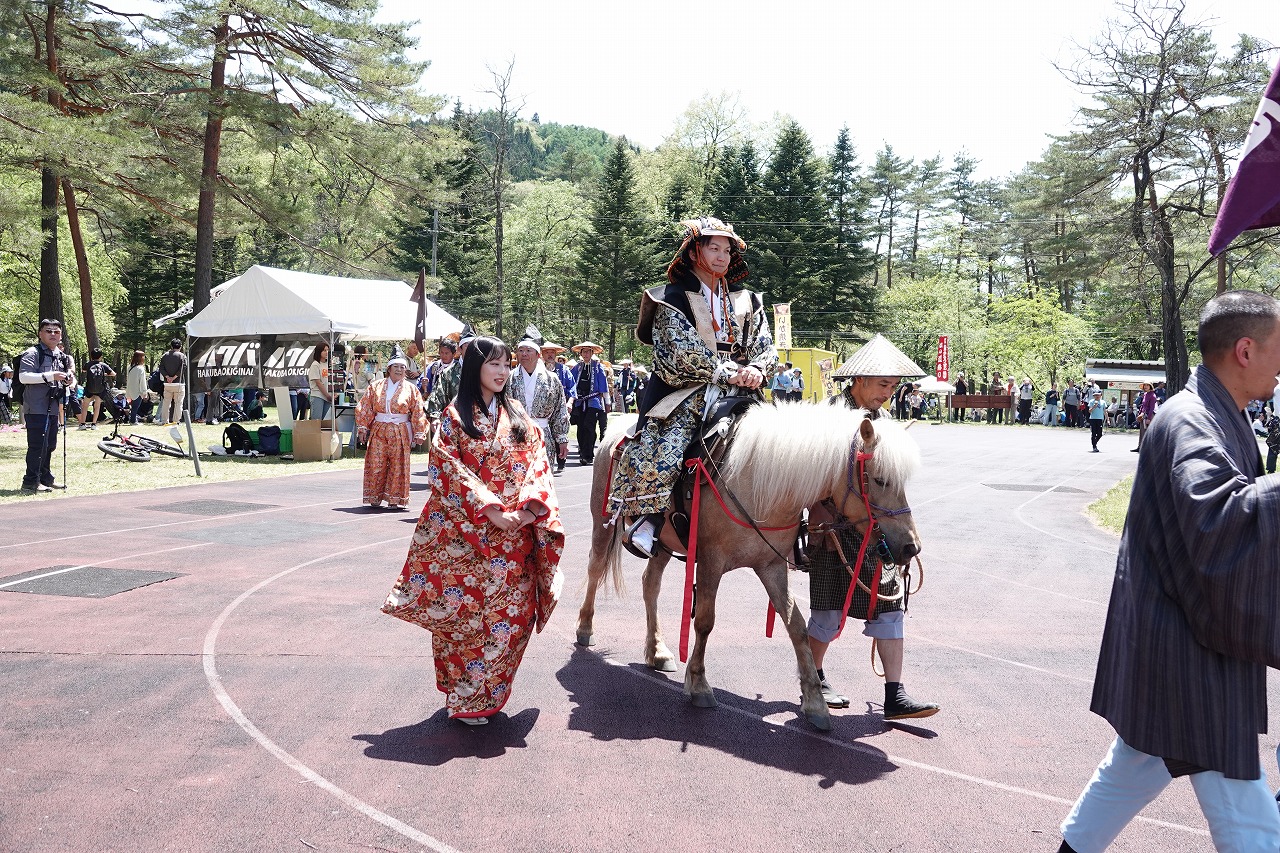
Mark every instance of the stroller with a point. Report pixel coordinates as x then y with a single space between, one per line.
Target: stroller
232 409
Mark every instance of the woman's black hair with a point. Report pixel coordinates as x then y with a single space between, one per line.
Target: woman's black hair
315 353
469 397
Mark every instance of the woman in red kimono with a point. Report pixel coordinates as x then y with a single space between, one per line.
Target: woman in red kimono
391 419
482 572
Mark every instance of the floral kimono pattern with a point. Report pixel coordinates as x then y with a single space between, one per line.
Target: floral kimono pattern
481 592
549 409
650 463
386 461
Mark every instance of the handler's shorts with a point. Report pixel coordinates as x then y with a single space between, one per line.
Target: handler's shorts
823 625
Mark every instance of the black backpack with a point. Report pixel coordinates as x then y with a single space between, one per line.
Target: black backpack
236 438
155 383
95 379
18 389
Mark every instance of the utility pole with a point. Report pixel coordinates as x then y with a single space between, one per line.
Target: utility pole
435 235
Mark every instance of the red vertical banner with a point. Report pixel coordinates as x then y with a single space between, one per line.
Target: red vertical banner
944 359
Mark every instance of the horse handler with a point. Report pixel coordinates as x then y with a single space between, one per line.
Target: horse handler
876 370
710 336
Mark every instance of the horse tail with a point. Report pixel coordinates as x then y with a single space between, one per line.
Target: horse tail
606 537
614 565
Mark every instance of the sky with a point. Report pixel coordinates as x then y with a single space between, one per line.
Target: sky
925 76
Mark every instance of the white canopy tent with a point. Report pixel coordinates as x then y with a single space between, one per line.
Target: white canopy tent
270 301
189 306
933 385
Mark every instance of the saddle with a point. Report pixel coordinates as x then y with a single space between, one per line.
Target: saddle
710 444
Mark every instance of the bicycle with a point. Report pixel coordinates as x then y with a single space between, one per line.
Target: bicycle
138 448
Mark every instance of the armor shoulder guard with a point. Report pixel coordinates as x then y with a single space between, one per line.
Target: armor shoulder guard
672 296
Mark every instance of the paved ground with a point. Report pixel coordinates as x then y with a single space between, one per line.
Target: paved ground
259 700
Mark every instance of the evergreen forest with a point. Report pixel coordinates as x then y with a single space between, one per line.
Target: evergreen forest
146 158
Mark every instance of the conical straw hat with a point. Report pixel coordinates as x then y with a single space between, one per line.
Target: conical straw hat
879 357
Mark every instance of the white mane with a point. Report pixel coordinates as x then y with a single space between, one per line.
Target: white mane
789 453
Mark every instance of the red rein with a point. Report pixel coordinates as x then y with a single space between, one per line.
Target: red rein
701 475
862 459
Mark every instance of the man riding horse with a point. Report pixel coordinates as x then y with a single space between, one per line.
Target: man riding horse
876 370
710 338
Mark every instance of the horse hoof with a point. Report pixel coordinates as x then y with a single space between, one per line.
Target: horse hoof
704 700
585 639
821 722
664 665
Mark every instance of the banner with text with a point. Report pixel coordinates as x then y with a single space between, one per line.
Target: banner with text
944 359
237 362
782 325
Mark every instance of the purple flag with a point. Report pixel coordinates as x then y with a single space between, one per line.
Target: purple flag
1253 196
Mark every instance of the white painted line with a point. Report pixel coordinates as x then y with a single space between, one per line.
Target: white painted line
803 599
98 563
1054 673
1018 512
193 520
855 746
232 709
1006 581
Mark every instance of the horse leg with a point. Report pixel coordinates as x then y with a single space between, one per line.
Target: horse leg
597 565
606 543
812 704
695 674
656 654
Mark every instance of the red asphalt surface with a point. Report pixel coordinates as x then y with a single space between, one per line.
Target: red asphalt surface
262 702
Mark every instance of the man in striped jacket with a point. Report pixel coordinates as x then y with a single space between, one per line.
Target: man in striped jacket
1192 625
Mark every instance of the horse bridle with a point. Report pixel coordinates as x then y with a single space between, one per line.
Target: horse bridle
859 459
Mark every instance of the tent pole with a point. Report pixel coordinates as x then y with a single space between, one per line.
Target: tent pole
186 416
333 405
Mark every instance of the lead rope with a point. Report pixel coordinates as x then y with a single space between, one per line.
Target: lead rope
905 594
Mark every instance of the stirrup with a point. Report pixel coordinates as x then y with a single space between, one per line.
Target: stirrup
630 530
679 524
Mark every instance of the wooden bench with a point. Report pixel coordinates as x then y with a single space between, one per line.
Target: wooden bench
981 401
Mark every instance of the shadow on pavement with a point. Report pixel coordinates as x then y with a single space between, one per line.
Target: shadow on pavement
613 704
438 739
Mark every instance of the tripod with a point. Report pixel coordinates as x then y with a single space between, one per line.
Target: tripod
55 409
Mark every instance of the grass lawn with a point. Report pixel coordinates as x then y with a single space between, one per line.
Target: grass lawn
1110 509
88 473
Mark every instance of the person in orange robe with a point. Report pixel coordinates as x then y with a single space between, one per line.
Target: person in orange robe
483 568
391 420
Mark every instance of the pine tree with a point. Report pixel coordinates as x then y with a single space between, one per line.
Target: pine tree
283 54
847 296
793 236
617 257
736 188
922 201
735 196
889 180
464 254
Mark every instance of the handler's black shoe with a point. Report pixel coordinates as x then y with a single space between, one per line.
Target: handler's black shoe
829 694
899 706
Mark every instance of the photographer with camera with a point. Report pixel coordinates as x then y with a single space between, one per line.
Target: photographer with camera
46 372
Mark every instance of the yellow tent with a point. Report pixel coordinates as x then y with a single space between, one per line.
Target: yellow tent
816 366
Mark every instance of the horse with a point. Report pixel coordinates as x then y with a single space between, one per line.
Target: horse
782 459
